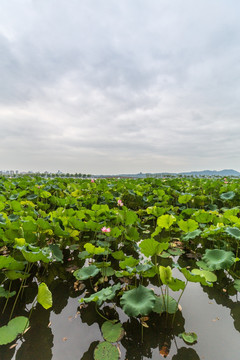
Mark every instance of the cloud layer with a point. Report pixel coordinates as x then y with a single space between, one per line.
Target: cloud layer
119 86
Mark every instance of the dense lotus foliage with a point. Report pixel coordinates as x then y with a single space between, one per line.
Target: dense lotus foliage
132 243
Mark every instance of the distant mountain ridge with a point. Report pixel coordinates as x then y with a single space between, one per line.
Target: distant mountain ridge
221 173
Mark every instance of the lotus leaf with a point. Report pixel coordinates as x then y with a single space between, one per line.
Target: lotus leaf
91 249
191 235
184 198
16 326
102 295
118 255
165 304
208 275
150 247
165 221
138 301
189 338
15 274
228 195
8 262
234 232
6 293
129 261
57 253
112 332
237 284
195 278
217 259
44 296
188 226
106 351
86 272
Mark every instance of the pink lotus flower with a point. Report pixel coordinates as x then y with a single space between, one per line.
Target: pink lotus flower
105 229
92 181
120 203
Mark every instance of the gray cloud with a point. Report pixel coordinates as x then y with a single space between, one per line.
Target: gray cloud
109 86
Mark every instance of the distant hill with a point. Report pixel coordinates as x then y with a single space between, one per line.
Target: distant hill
221 173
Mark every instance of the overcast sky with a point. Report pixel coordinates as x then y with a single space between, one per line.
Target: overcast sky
119 86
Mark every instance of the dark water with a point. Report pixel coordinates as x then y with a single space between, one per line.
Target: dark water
66 332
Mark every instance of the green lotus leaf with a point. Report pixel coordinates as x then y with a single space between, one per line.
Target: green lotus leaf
86 272
131 217
234 232
202 265
150 247
203 216
118 255
112 332
138 301
5 293
106 351
102 295
141 268
176 251
165 274
15 274
237 284
195 278
189 338
184 198
129 261
191 235
16 326
57 253
217 259
94 249
188 226
207 275
34 254
44 296
165 221
228 195
165 304
8 262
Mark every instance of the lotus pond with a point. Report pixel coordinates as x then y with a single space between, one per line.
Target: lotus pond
119 269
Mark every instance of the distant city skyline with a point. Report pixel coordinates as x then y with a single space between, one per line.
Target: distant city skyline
119 87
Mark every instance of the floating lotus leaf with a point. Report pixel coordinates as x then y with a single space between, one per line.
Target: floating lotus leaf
9 332
189 338
138 301
217 259
102 295
228 195
234 232
165 304
86 272
112 332
44 296
106 351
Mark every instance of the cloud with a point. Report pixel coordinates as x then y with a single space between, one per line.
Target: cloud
106 87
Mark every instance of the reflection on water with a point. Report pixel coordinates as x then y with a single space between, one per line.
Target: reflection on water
68 332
